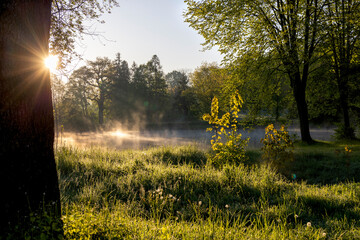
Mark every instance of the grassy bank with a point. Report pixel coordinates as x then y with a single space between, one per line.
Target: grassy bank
172 193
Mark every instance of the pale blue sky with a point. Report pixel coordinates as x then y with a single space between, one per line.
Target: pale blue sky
138 29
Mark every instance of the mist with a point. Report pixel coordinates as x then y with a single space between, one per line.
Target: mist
121 138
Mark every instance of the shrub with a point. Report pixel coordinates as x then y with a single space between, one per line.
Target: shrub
227 143
342 132
278 146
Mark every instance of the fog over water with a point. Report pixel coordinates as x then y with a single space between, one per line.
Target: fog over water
123 139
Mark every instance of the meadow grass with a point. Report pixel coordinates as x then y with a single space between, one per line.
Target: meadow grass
174 193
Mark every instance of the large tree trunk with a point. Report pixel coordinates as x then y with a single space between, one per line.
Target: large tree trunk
303 115
348 131
299 91
28 173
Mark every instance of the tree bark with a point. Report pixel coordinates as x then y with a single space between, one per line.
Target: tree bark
28 173
348 132
101 109
298 86
303 115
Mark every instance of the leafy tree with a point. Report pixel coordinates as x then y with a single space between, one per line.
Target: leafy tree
288 28
207 82
178 84
68 24
99 75
76 107
78 89
150 88
322 97
140 95
58 95
28 172
120 90
263 87
343 42
155 79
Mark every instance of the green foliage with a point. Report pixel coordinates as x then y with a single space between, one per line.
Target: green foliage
67 24
232 151
238 28
177 86
277 149
342 132
207 82
82 221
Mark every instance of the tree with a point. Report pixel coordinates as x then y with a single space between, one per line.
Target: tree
262 86
120 90
155 79
58 94
177 81
207 82
288 28
178 84
98 76
67 24
140 92
28 171
78 112
149 88
343 42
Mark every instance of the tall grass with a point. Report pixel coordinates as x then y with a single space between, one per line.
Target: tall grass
173 193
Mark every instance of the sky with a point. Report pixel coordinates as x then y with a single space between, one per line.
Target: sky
139 29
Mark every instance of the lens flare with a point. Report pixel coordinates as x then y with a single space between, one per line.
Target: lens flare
51 62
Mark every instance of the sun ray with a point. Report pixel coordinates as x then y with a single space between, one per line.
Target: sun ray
51 62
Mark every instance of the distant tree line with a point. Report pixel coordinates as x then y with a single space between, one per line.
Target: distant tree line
105 91
108 90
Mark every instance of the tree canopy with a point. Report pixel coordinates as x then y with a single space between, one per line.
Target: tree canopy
290 31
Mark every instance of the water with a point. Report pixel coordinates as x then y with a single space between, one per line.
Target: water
123 139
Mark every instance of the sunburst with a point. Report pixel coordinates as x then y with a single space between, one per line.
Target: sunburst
51 62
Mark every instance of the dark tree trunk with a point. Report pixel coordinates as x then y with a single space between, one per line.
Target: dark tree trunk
303 115
28 173
344 105
348 131
298 86
101 110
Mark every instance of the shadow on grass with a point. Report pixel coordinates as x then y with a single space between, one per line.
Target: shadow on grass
318 208
326 162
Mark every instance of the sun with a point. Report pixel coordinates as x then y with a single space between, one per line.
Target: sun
51 62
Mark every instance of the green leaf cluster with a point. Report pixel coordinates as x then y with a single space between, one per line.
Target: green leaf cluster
227 142
277 149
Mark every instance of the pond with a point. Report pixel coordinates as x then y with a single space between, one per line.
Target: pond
124 139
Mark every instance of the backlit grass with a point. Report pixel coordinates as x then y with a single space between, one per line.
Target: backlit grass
173 193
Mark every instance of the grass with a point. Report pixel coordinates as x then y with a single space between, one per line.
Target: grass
173 193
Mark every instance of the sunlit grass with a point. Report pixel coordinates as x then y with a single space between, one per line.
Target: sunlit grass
172 193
